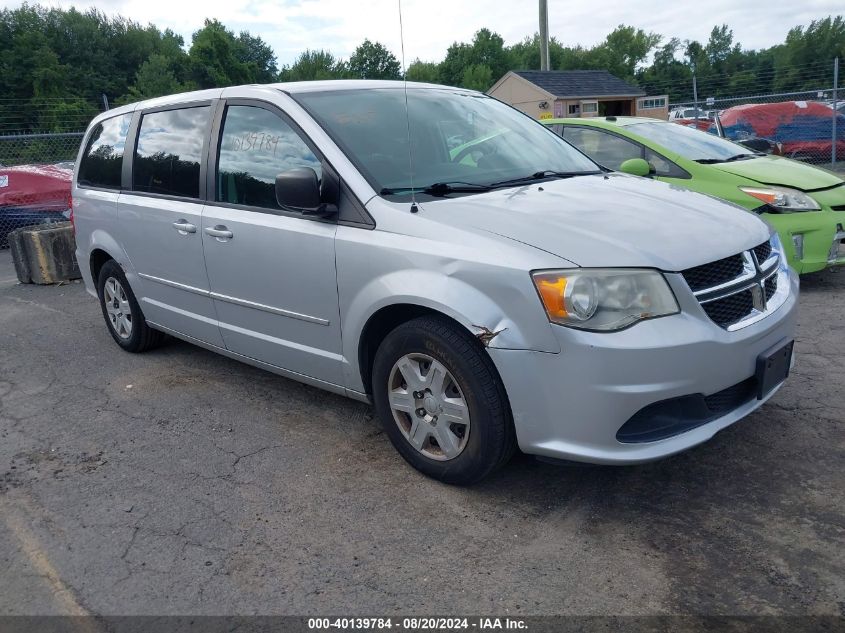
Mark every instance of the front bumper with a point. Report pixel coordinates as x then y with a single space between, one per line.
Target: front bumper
836 257
571 405
815 230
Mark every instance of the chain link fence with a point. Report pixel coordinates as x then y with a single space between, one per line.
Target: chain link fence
39 140
35 179
806 125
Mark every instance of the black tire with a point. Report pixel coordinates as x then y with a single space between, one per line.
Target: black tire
142 337
492 440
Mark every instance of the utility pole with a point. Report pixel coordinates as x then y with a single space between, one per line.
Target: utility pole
544 35
835 102
695 94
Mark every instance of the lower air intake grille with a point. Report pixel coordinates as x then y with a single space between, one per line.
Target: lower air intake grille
671 417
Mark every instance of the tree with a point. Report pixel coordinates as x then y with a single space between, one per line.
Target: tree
428 72
487 49
155 78
624 49
719 46
258 56
806 53
313 65
56 63
525 55
667 74
371 60
215 57
477 77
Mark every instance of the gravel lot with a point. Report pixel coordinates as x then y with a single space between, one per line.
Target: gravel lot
180 482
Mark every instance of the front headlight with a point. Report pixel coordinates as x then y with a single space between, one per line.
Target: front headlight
783 199
604 299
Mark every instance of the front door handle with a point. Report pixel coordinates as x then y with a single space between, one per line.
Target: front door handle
219 231
184 227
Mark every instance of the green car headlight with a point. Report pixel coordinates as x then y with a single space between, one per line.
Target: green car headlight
783 199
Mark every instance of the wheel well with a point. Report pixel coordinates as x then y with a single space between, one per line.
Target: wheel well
380 325
98 258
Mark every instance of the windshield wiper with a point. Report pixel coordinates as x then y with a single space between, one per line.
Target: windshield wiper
439 188
714 161
539 175
458 186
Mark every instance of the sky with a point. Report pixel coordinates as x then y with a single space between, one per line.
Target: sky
430 26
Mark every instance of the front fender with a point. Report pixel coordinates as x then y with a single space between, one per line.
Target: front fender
513 314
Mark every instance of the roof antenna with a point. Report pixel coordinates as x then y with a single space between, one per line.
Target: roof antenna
414 207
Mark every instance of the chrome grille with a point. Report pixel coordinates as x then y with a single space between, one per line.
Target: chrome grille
738 290
714 273
732 309
763 251
771 287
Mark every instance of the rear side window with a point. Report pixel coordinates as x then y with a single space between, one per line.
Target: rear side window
255 147
102 161
167 158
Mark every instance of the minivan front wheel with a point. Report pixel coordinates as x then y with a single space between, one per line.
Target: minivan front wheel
441 401
122 313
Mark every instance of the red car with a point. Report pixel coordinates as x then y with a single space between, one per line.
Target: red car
32 194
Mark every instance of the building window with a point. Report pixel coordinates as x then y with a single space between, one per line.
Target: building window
574 109
652 104
590 107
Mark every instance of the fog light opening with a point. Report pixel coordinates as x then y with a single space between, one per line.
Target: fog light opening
798 245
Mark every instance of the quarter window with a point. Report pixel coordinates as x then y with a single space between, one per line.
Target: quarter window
102 161
169 151
255 147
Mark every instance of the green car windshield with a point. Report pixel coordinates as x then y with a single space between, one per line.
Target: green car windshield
457 139
690 143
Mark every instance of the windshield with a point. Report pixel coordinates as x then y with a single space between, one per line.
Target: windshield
456 137
688 142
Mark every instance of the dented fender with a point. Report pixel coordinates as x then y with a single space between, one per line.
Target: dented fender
517 324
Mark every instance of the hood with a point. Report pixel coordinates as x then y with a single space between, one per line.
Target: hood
775 170
613 220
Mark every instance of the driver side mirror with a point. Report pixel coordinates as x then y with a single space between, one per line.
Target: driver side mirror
299 189
636 167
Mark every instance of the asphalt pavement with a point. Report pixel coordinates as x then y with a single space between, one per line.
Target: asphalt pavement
181 482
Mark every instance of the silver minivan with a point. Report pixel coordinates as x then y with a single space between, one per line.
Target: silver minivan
439 254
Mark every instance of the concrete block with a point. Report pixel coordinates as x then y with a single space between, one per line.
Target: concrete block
44 254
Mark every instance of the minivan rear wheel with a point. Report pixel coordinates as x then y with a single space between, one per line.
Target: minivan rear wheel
122 313
441 401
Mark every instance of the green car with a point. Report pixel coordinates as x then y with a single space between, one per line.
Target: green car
805 204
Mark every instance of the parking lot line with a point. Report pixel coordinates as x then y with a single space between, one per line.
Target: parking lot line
64 597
